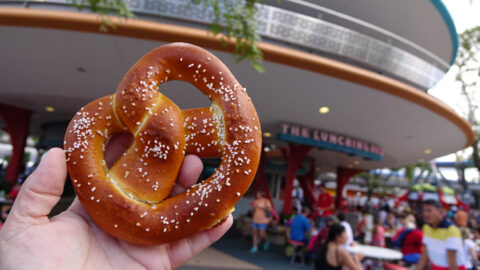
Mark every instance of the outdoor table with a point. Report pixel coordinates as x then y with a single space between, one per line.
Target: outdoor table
389 234
374 252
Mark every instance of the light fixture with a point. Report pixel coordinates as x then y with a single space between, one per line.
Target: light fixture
266 149
427 151
350 166
356 162
49 109
81 69
324 110
421 160
267 134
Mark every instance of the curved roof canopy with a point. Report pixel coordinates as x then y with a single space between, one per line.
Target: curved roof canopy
426 23
47 66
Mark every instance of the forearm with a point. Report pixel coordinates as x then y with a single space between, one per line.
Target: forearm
452 259
352 262
422 262
474 256
421 265
453 265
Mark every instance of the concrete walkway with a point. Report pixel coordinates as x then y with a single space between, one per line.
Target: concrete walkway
233 252
212 258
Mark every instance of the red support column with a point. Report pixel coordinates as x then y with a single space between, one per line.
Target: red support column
294 155
259 177
261 180
343 176
308 185
16 122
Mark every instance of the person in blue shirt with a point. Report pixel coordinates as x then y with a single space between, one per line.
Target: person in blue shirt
300 227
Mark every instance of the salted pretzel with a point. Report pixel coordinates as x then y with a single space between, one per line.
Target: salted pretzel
130 200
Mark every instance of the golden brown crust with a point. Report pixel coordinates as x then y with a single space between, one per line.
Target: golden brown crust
202 132
130 200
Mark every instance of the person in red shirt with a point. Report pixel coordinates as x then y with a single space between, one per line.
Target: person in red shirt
14 192
325 204
410 242
324 207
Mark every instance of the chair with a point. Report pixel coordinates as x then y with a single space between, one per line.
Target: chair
297 251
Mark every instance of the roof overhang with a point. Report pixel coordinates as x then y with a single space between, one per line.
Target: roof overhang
41 51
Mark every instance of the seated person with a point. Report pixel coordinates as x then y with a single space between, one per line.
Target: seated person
332 256
300 227
318 240
348 229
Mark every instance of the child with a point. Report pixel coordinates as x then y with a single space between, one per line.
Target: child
378 238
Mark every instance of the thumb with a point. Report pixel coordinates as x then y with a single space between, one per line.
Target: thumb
40 192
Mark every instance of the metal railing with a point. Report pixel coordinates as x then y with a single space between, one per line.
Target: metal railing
368 26
304 33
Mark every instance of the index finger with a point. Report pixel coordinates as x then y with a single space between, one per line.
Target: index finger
191 168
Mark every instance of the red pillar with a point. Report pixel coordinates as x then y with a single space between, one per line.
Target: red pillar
308 185
294 155
343 176
16 122
261 180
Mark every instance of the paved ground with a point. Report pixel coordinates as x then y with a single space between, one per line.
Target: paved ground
232 252
212 258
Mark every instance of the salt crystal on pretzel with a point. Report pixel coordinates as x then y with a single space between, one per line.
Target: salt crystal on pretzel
131 199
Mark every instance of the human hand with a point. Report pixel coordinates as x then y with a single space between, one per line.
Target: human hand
71 240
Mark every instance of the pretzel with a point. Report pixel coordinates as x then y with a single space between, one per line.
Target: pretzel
131 199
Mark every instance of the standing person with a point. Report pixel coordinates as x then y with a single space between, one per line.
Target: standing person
325 205
461 218
384 209
297 195
441 239
368 227
378 238
360 228
469 250
261 208
332 256
410 241
348 229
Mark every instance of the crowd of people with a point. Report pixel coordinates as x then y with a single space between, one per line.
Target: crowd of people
8 191
427 234
7 202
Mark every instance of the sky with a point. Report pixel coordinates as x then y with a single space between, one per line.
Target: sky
465 14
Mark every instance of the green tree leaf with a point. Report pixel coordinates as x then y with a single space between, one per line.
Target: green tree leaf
234 19
468 75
